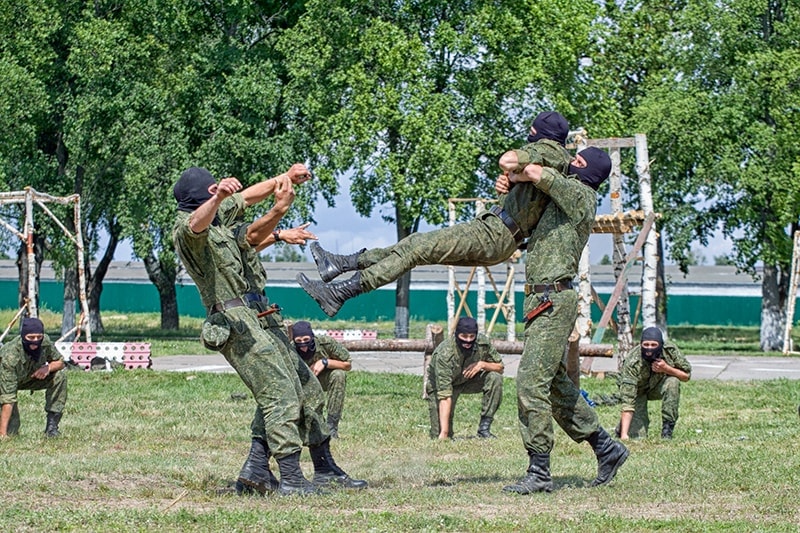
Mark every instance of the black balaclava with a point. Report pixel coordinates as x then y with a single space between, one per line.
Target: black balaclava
301 329
550 125
466 325
652 334
191 190
598 167
32 325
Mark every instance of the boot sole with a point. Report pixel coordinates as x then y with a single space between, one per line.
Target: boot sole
307 286
617 465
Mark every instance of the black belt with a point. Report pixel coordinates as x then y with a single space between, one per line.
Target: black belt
227 304
500 213
558 286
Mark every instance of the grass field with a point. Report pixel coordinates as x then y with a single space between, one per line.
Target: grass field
144 451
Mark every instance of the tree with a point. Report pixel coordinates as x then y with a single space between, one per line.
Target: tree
418 99
719 111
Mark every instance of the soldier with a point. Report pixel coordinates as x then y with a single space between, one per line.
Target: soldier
252 239
31 363
653 370
466 363
330 362
210 253
544 390
492 237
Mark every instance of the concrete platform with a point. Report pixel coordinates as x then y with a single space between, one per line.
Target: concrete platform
720 367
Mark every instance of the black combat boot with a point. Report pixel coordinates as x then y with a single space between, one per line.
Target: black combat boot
331 296
333 426
538 477
610 456
327 472
331 265
13 422
292 479
255 474
483 428
52 424
666 429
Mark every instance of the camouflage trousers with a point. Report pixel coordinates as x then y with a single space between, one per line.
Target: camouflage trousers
334 383
262 364
544 390
483 241
668 390
490 384
55 396
311 427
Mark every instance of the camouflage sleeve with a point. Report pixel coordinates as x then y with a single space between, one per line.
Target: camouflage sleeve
676 359
231 210
332 348
629 379
488 352
569 194
442 362
50 351
8 376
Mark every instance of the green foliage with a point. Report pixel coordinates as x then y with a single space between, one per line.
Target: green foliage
155 450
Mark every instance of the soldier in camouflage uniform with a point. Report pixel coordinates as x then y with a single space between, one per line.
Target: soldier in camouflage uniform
653 370
466 363
31 362
330 362
252 239
544 390
489 239
210 253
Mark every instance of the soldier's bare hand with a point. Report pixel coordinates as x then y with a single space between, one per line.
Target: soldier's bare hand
298 235
317 367
42 372
502 185
299 173
225 188
284 191
659 366
472 370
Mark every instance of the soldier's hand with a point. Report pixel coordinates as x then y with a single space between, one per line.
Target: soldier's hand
299 173
659 366
503 184
298 235
317 367
42 372
226 187
284 191
472 370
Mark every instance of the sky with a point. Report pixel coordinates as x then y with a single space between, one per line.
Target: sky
341 230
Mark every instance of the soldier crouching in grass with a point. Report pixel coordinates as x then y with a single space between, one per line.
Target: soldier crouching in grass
31 363
653 370
466 363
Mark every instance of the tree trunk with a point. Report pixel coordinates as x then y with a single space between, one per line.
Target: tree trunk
661 290
163 277
23 267
774 288
402 296
95 281
70 301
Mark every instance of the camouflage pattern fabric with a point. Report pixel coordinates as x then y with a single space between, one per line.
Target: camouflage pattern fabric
213 260
333 382
484 241
544 391
446 379
16 368
638 385
311 426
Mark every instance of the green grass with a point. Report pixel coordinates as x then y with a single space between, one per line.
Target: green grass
145 450
693 340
